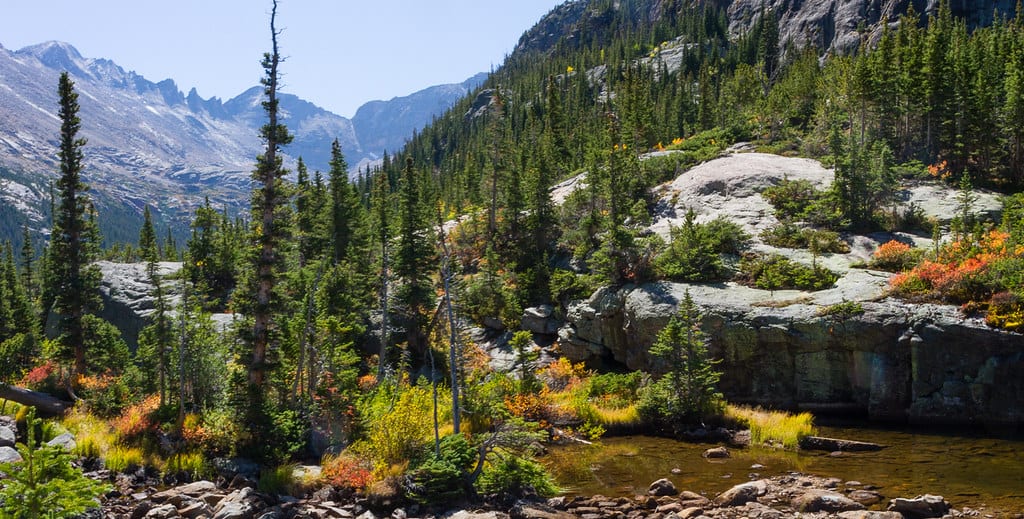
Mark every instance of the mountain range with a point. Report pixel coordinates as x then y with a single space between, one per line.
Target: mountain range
151 144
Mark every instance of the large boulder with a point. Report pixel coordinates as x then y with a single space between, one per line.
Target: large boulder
896 361
920 507
128 295
742 493
848 345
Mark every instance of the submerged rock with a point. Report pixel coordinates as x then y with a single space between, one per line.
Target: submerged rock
836 444
662 487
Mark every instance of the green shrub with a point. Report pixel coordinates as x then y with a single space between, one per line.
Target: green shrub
615 390
843 310
776 272
512 475
193 464
567 285
789 235
693 254
443 477
799 200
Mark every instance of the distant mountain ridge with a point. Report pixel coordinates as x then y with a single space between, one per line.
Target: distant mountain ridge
150 143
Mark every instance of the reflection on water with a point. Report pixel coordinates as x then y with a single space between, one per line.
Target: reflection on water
966 470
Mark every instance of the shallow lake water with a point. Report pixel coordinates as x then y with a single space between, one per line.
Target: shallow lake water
966 469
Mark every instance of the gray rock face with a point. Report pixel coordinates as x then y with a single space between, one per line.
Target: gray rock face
833 24
896 361
540 320
128 296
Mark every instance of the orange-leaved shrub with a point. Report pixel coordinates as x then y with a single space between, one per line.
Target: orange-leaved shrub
895 256
347 471
972 272
138 419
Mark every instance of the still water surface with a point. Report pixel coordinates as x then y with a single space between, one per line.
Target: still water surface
967 470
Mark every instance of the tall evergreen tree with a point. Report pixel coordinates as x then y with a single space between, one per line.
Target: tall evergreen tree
414 259
75 281
270 225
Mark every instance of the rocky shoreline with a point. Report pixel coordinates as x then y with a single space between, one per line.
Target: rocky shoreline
792 495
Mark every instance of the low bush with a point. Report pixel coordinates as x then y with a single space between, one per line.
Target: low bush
895 256
347 471
776 272
693 255
792 236
513 475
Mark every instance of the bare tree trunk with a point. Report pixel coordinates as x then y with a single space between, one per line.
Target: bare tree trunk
46 405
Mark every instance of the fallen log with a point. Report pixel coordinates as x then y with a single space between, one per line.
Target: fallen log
836 444
46 405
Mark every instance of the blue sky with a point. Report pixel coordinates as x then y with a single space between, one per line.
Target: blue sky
339 53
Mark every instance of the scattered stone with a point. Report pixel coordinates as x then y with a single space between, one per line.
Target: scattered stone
920 507
742 493
527 510
818 500
9 455
162 512
690 513
65 441
867 514
539 319
676 471
716 453
757 466
465 514
662 487
865 497
8 431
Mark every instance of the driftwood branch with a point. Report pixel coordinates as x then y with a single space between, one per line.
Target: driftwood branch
45 404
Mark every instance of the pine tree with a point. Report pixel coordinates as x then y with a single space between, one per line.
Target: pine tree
381 205
75 283
686 393
263 299
155 339
413 259
342 205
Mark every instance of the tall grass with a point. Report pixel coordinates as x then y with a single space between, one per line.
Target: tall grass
279 480
191 463
93 436
119 458
772 428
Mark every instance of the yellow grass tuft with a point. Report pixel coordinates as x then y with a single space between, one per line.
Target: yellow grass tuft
773 428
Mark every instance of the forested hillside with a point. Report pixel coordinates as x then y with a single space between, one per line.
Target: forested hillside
361 308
